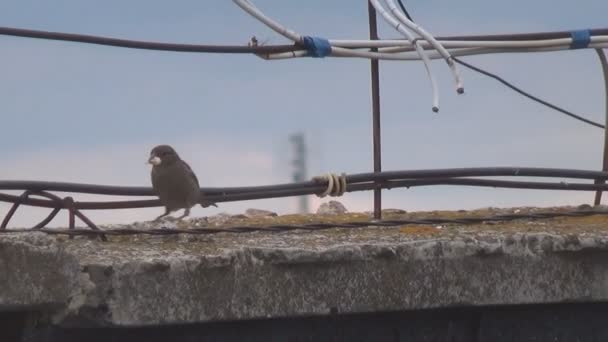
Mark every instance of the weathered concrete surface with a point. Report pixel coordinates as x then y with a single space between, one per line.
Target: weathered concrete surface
147 280
36 271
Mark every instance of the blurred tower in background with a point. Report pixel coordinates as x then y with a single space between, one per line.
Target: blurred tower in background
299 166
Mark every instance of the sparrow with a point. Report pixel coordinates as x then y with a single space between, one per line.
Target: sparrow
174 182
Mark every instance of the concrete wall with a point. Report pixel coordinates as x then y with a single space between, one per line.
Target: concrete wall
261 285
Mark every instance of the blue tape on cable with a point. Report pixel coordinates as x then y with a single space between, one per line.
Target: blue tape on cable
580 39
317 47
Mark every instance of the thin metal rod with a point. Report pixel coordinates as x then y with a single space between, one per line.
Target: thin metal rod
48 219
89 223
13 209
377 140
604 62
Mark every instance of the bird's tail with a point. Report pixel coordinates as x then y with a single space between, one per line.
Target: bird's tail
207 204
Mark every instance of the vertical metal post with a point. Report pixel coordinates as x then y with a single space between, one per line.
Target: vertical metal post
604 62
373 34
299 163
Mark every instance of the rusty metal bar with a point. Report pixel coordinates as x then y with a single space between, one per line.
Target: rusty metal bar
89 223
48 219
13 209
604 63
23 198
377 138
67 203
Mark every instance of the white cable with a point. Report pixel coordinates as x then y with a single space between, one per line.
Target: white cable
250 8
427 64
497 44
394 43
247 6
411 56
389 49
403 43
471 51
366 43
336 185
283 55
418 29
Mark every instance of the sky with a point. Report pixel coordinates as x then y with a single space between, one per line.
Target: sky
91 114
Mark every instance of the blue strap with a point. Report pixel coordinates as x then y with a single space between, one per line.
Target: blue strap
317 47
580 39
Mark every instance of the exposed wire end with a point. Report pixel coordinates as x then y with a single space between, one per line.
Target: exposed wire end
428 37
458 78
423 55
576 40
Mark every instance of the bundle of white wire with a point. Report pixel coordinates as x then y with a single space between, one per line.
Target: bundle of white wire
402 50
425 47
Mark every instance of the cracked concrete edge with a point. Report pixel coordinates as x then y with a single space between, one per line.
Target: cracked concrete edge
256 282
286 282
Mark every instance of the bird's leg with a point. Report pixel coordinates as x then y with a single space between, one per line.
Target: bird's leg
167 212
186 213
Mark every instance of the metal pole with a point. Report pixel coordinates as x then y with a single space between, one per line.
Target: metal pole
373 34
604 62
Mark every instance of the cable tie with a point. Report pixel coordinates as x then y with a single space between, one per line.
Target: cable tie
317 47
580 39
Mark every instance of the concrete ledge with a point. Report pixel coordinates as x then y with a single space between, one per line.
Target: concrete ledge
142 280
36 272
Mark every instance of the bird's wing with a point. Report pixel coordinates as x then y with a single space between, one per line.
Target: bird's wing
191 173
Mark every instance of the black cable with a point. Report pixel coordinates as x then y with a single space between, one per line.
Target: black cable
238 49
149 45
405 10
528 95
513 87
512 171
146 45
356 182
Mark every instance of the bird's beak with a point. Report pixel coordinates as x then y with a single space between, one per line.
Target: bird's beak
154 160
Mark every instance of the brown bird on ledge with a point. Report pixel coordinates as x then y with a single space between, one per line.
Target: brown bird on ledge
174 182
